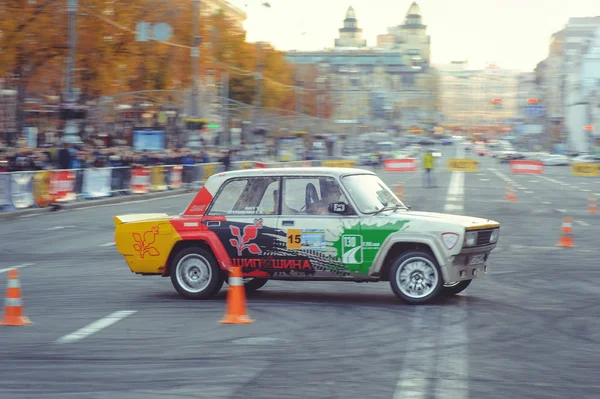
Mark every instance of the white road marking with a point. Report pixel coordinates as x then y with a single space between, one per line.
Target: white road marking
582 223
552 180
546 202
95 326
528 192
534 181
561 210
108 244
419 360
484 179
585 191
59 228
16 267
452 361
584 183
28 216
134 202
456 189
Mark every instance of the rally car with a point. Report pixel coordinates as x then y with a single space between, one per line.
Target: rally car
306 224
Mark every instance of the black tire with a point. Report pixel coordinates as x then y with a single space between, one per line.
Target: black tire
206 262
252 284
432 271
456 288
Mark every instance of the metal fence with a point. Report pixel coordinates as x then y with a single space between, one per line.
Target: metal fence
39 189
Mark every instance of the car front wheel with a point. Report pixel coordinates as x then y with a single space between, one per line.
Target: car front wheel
195 273
415 277
455 287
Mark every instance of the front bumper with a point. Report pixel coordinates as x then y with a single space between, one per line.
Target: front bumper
469 264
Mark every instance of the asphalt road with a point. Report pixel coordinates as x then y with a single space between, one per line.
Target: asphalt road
529 329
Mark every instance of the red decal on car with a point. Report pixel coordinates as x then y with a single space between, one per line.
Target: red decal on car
143 245
250 233
200 202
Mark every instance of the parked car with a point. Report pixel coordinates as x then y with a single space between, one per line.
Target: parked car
555 160
307 224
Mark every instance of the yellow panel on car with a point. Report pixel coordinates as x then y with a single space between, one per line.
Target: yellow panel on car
146 244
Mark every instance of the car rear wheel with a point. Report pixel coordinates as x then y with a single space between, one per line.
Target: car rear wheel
455 287
252 284
415 277
195 273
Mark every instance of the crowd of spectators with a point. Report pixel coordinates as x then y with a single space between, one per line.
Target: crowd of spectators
68 156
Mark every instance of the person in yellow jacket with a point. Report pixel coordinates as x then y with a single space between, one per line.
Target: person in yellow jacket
429 165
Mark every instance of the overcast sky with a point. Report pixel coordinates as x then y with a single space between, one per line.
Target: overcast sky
511 33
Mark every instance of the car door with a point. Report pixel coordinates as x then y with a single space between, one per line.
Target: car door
316 240
244 216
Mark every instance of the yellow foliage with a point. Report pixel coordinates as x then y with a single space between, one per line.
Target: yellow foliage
34 45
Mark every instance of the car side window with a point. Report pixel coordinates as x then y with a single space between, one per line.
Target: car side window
250 196
310 195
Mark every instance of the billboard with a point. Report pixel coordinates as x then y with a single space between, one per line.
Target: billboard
148 140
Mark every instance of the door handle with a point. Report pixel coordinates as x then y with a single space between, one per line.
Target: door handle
288 222
210 223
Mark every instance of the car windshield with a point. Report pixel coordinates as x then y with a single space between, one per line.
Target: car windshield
370 193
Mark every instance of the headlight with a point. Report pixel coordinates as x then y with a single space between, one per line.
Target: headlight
471 238
494 236
450 239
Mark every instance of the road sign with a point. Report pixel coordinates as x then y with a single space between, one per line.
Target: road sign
534 110
463 165
142 31
161 32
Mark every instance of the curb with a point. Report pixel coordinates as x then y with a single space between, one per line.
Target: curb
96 202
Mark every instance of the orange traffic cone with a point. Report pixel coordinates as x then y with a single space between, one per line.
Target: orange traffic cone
400 191
13 306
236 299
592 204
511 194
566 238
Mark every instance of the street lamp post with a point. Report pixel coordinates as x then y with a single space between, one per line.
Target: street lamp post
195 55
70 95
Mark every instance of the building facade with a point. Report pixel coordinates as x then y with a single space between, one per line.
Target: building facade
567 80
387 85
480 99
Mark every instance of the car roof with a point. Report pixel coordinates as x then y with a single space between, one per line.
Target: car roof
296 171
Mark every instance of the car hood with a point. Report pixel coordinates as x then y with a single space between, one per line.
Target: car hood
468 222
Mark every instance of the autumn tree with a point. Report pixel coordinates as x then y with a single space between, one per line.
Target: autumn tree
34 47
316 97
31 38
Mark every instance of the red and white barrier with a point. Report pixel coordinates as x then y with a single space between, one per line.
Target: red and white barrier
519 166
400 165
140 180
175 178
62 186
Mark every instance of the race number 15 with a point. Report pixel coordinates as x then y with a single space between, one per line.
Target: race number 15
294 239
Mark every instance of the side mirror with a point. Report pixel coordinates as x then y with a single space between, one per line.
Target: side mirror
338 207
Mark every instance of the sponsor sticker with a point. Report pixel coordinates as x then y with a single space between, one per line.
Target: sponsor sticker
352 246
